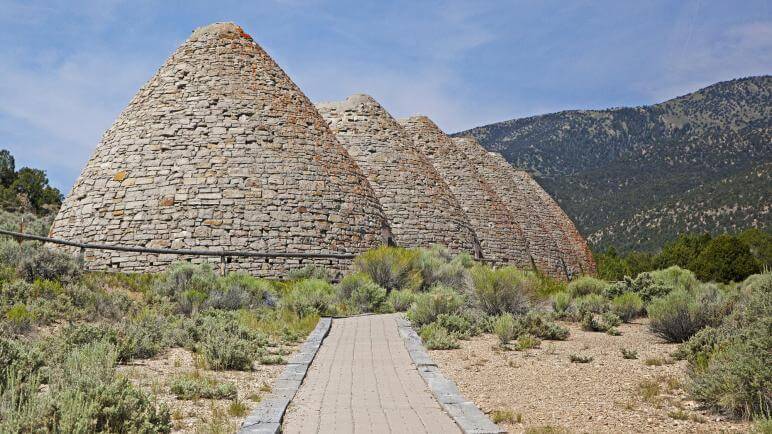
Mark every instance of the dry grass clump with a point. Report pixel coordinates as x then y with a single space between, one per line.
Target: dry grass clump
579 358
506 416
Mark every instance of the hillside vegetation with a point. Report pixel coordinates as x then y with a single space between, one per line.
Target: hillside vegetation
635 177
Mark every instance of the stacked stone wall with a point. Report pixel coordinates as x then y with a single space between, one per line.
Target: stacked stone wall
419 205
220 150
500 237
523 202
580 256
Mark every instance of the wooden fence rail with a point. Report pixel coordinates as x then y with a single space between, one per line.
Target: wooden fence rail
222 254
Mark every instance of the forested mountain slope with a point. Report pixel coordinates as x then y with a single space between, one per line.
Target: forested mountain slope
634 177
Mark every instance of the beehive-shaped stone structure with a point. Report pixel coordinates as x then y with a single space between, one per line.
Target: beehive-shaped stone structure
554 243
221 150
419 205
501 239
579 252
522 203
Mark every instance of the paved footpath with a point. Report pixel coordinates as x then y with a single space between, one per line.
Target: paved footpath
363 380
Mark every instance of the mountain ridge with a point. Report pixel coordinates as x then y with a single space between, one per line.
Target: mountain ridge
633 177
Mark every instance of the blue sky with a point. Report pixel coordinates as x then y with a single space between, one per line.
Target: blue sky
67 68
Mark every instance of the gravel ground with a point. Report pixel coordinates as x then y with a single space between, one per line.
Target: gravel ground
542 388
202 415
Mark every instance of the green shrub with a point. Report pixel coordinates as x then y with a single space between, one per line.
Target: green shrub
272 359
701 345
351 282
438 266
19 319
506 328
240 291
436 337
762 425
86 396
729 367
679 315
600 323
182 277
548 286
502 290
428 306
455 324
229 322
10 252
224 342
312 296
393 268
586 285
48 265
675 277
644 285
368 297
196 386
629 354
191 300
627 306
479 321
561 301
527 342
21 358
133 282
310 271
223 351
578 358
76 335
141 337
735 378
592 303
22 406
401 301
590 323
540 325
755 282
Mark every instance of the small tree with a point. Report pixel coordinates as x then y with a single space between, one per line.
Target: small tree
682 251
725 259
7 168
760 243
611 266
33 183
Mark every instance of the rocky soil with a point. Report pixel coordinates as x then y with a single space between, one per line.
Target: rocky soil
202 415
543 388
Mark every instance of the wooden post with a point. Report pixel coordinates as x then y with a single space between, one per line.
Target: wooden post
21 231
82 257
223 265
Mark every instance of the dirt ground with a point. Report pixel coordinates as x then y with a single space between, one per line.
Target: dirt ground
543 388
202 415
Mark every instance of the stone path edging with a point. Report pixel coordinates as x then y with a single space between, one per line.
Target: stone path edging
267 417
466 415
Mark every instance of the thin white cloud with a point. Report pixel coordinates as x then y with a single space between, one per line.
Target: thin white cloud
413 60
68 105
737 51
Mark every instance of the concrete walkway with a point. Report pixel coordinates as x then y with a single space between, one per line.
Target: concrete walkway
363 380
